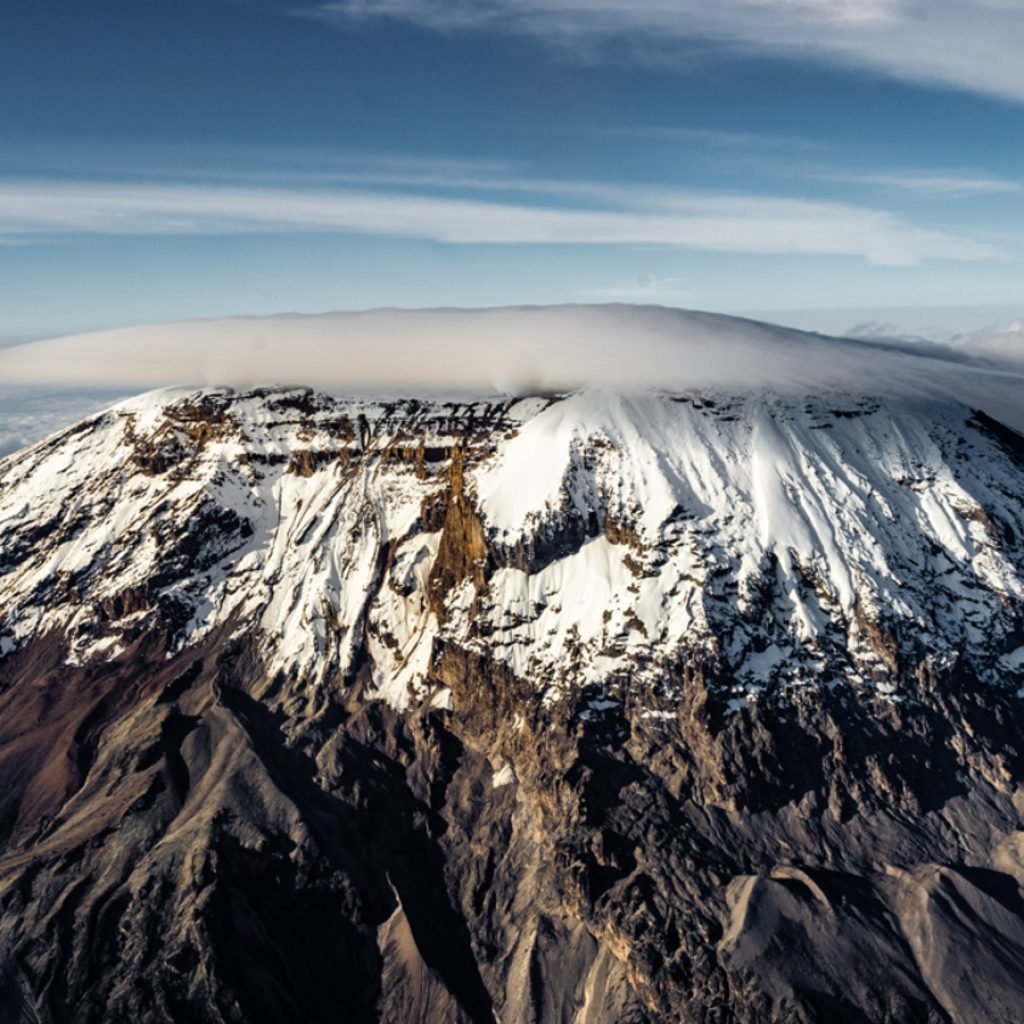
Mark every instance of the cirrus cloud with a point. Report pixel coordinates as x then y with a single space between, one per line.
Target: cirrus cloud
603 215
966 44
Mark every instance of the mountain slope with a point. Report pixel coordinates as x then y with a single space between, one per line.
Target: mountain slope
581 708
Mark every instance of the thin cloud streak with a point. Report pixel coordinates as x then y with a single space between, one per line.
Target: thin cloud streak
706 222
304 169
728 140
759 150
965 44
932 184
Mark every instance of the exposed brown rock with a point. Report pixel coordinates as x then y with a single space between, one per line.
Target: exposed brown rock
462 553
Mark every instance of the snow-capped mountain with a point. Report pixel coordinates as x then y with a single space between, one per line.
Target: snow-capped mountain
591 539
607 705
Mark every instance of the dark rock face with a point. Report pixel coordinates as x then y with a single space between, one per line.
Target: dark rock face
175 850
189 833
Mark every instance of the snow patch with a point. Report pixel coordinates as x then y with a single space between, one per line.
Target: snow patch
504 776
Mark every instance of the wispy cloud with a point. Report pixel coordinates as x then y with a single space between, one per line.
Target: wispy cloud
716 138
620 216
966 44
295 167
763 151
932 184
239 162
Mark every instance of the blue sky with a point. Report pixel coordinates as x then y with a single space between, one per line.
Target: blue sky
165 160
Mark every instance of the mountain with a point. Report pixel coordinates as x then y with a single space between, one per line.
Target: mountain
590 707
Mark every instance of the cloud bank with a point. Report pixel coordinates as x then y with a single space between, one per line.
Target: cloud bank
965 44
511 350
599 215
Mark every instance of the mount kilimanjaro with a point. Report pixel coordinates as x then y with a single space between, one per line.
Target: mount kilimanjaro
586 706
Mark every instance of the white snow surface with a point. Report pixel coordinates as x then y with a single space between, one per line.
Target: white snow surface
777 540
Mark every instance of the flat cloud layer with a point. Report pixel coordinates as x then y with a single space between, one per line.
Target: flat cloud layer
512 350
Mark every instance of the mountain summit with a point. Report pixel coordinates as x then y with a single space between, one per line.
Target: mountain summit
598 706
